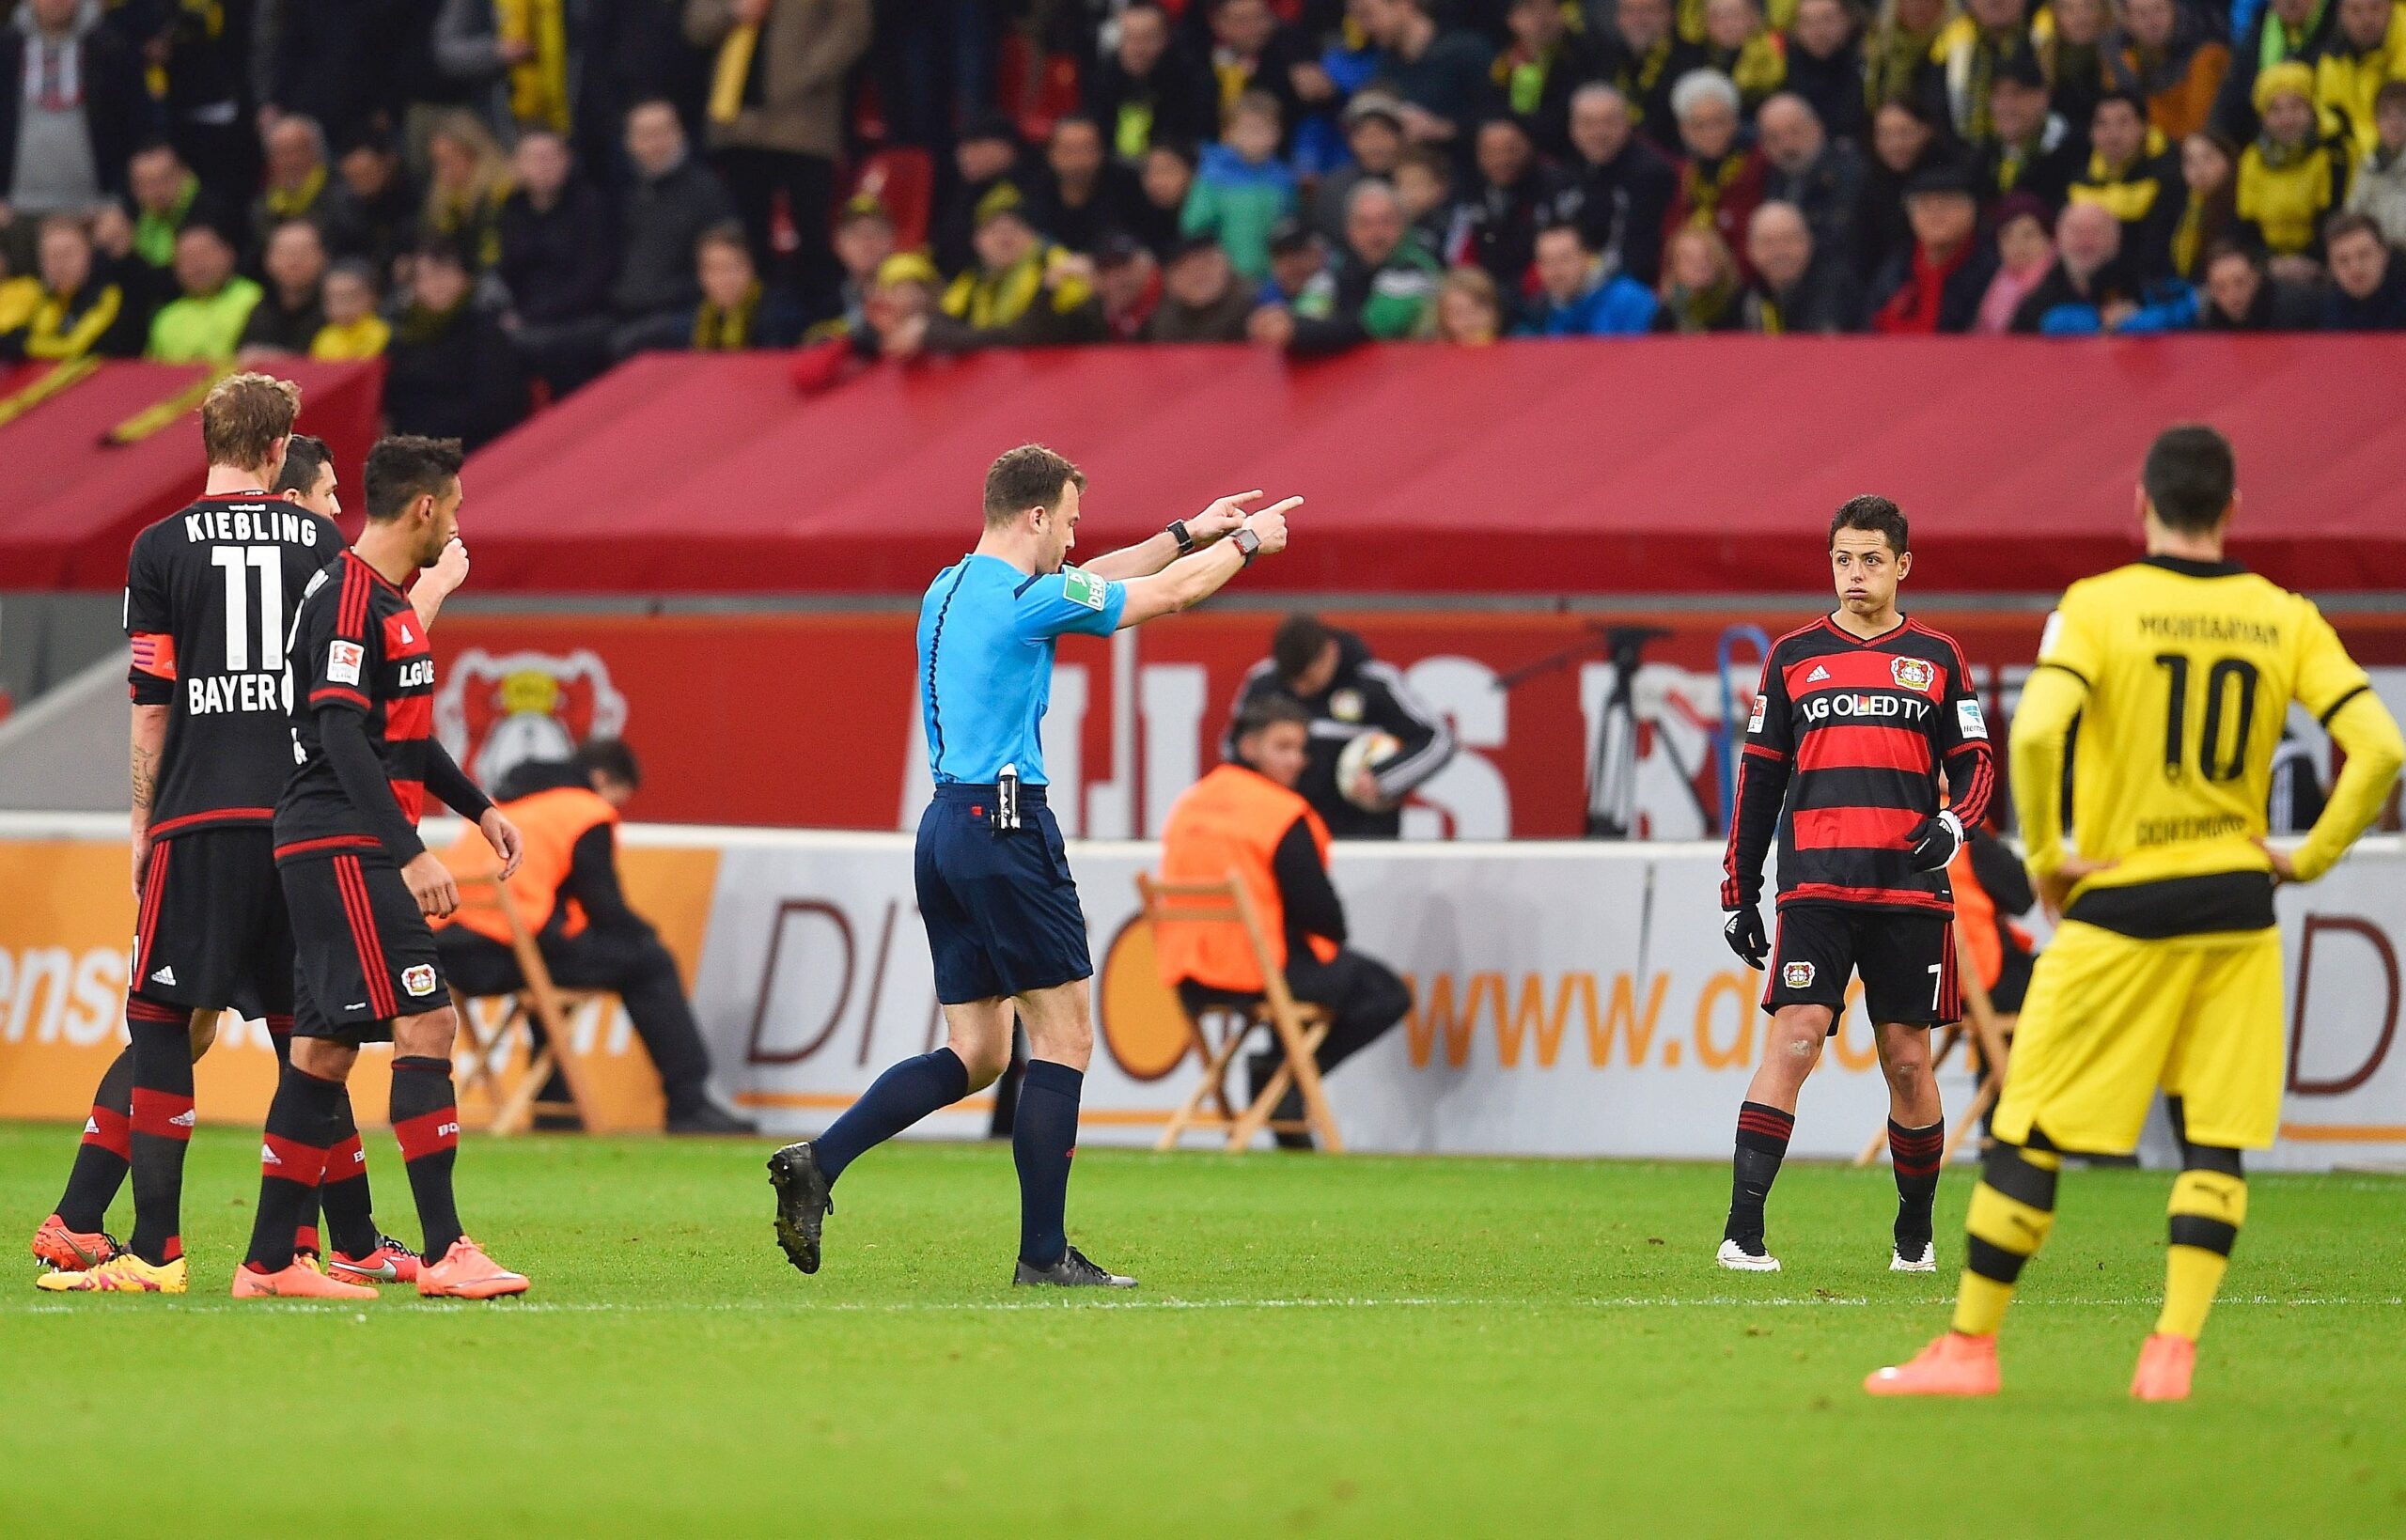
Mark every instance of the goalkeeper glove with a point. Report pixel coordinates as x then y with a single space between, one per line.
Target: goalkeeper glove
1744 930
1935 840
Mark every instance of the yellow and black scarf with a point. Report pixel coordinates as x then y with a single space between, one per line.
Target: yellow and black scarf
717 331
538 82
295 202
67 326
1705 190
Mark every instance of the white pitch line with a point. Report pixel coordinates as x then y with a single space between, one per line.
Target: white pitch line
913 1307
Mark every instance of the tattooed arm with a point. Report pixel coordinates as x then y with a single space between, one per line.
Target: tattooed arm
150 737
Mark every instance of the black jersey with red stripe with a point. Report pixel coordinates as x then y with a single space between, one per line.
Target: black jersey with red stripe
210 598
357 647
1842 757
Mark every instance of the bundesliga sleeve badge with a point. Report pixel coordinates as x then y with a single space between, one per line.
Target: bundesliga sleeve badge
1084 588
342 663
1968 719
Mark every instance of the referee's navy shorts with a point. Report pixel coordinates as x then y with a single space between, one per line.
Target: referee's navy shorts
1001 909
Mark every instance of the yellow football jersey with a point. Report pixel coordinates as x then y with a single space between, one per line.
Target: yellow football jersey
2180 673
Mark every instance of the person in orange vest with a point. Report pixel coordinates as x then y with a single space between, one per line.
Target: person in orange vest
567 892
1991 888
1246 819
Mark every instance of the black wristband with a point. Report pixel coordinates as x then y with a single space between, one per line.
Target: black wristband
1248 545
1178 532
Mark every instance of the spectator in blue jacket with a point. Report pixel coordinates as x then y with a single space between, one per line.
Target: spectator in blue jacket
1575 296
2091 291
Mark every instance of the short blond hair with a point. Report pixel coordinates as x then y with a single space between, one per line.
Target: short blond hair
244 417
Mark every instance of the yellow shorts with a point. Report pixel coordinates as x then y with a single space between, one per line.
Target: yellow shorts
2110 1018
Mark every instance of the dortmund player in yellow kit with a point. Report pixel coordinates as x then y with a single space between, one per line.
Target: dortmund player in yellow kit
2166 968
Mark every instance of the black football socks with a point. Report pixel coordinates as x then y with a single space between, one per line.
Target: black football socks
426 1121
1916 1155
101 1160
1763 1144
161 1123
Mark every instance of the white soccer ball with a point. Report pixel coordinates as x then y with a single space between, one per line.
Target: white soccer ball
1367 749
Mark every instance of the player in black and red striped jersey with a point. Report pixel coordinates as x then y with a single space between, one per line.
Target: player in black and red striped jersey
210 598
360 885
1857 716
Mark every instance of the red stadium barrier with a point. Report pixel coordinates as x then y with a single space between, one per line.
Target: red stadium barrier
74 500
1689 466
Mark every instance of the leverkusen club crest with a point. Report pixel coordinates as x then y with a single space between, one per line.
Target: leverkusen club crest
494 713
1912 673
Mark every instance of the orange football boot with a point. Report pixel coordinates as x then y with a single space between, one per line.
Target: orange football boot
297 1280
1954 1364
2165 1363
72 1250
466 1273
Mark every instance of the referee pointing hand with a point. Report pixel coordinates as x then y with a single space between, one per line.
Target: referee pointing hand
1004 926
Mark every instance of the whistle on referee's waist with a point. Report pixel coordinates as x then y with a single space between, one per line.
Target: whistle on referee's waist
1006 801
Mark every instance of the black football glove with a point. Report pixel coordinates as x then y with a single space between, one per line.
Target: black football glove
1744 930
1935 840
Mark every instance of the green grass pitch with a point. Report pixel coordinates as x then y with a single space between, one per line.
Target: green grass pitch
1322 1346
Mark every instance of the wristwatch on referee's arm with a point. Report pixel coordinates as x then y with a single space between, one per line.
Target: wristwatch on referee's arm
1248 544
1187 545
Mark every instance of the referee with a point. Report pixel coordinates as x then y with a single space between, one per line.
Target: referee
1004 926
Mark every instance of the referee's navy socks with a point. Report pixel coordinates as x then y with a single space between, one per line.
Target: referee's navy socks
902 1096
1044 1138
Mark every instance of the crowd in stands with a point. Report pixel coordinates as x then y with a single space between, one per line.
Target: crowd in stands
503 197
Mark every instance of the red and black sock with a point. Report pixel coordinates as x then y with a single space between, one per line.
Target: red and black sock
426 1121
101 1160
1763 1144
161 1125
304 1237
1917 1154
351 1213
301 1124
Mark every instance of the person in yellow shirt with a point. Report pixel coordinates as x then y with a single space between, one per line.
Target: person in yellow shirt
1021 291
2291 176
74 308
2165 968
20 296
353 329
2367 50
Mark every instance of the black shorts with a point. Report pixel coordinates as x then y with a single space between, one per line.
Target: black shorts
211 931
1001 909
362 952
1906 962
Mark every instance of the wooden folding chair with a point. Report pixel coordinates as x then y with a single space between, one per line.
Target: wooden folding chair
494 1064
1989 1035
1298 1029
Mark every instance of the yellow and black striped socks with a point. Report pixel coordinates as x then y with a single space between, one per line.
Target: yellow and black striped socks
2012 1210
2208 1204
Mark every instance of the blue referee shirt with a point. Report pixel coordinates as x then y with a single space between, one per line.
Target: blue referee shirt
986 632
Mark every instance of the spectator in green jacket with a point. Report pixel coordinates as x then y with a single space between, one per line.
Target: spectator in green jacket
1242 187
205 324
1380 289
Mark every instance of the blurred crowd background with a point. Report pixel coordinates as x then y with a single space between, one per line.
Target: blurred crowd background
503 197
